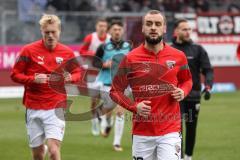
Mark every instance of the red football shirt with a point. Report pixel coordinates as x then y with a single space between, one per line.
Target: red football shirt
91 42
35 58
152 77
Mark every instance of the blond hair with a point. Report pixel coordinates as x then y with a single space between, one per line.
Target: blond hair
49 19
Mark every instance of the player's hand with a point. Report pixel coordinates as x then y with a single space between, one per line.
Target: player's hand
178 94
107 64
67 77
40 78
144 108
206 92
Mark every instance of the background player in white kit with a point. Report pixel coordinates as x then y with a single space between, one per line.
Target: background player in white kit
90 44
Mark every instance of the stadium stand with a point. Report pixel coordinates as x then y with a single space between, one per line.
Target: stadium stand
78 19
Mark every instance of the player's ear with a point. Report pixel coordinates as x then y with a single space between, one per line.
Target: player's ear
96 27
165 29
42 33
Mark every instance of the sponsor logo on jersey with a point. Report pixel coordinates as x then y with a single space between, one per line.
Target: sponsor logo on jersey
157 87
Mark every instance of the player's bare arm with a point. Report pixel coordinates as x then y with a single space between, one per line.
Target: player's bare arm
107 64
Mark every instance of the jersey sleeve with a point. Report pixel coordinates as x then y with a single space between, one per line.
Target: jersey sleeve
18 73
84 49
184 76
206 67
74 67
119 84
97 60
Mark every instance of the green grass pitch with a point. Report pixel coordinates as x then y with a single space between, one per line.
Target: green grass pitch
218 136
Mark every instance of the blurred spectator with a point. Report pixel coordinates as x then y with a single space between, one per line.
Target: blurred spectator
85 5
127 6
100 5
145 5
171 5
187 6
59 5
133 5
116 7
233 8
201 6
27 9
158 5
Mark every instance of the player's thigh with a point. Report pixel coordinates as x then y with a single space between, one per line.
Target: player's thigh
35 130
54 124
193 109
38 151
53 144
169 147
143 148
105 96
94 89
184 110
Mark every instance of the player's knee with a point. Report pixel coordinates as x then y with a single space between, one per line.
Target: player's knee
119 111
120 114
38 153
53 151
38 157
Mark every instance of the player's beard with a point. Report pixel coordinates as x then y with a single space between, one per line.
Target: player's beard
153 41
185 39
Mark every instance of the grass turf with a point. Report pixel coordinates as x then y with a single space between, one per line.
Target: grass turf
217 137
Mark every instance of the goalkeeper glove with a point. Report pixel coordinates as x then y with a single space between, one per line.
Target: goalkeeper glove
207 93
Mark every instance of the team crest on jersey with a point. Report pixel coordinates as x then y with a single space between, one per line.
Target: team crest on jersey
170 63
59 60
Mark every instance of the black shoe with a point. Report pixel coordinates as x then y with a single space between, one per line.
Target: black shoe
106 132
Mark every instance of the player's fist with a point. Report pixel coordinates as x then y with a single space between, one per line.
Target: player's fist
40 78
178 94
206 92
144 108
67 77
107 64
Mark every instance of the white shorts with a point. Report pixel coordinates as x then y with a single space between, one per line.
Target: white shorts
105 96
94 88
44 124
166 147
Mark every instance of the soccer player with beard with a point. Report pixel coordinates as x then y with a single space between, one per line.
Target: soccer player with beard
199 63
159 78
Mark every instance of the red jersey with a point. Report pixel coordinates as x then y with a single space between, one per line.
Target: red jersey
35 58
153 77
91 42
